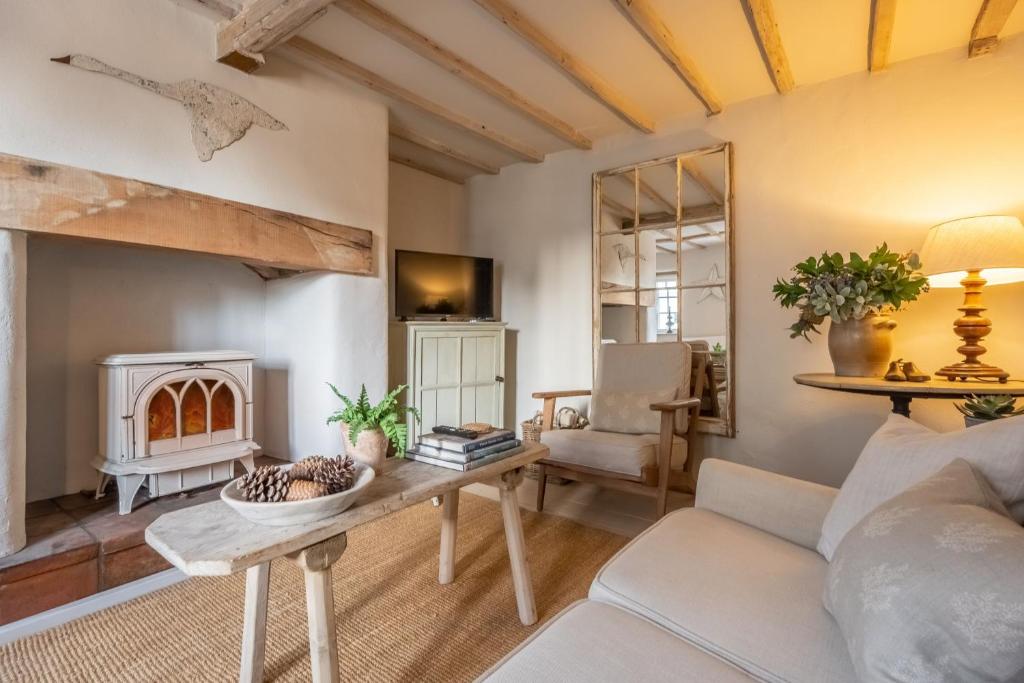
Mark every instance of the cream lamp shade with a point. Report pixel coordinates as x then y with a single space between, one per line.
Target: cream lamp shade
991 244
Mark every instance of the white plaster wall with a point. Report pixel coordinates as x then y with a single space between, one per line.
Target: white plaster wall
840 165
89 300
331 164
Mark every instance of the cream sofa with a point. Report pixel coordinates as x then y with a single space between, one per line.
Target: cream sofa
730 590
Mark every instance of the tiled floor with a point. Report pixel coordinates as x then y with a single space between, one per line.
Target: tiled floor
78 546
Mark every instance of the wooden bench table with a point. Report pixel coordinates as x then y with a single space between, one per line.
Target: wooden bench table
212 540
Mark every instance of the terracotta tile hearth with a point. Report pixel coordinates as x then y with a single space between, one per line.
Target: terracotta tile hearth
79 546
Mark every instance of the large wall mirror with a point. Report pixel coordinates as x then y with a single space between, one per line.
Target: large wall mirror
663 257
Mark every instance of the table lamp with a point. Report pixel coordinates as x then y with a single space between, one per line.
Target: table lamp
970 253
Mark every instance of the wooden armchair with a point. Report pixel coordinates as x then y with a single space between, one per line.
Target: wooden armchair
644 412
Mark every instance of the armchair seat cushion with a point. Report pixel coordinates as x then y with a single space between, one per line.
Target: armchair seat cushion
625 454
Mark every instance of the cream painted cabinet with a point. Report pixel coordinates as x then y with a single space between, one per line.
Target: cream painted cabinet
455 371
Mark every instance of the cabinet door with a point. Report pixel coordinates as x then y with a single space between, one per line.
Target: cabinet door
458 377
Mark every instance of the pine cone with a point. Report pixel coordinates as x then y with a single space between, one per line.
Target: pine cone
265 484
303 469
337 474
301 489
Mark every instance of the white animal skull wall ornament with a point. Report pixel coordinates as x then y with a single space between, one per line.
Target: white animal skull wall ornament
219 116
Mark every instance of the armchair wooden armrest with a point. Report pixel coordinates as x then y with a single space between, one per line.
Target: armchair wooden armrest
677 404
550 397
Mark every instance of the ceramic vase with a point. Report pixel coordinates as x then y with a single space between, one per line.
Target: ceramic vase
974 421
861 348
370 448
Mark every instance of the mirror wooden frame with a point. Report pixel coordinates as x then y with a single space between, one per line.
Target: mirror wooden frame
721 426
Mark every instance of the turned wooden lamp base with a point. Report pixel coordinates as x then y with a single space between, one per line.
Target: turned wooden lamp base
971 327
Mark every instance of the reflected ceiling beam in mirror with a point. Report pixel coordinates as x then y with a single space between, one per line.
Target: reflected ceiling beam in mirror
586 77
761 14
262 25
403 133
369 79
412 163
647 191
650 25
883 16
991 18
690 168
694 215
617 207
393 28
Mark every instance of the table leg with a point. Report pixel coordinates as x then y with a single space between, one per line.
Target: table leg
316 562
449 528
517 545
254 630
901 404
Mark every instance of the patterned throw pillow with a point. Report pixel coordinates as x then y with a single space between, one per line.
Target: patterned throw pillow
628 412
929 587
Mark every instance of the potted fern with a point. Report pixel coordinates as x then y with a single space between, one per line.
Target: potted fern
367 429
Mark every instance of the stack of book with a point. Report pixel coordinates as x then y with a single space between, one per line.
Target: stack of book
458 453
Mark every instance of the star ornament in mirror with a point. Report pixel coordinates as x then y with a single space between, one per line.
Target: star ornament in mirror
715 289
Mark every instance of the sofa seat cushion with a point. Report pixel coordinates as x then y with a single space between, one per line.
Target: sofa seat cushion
593 642
625 454
744 595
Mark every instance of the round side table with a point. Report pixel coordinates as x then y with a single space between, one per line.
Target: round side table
902 393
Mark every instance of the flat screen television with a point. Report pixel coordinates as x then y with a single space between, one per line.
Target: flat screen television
443 286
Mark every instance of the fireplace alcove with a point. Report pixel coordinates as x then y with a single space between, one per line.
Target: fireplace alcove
173 421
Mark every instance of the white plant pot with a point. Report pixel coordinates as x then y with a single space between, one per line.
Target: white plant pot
287 513
974 421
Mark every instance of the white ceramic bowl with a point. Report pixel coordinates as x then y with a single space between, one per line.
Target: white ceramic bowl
287 513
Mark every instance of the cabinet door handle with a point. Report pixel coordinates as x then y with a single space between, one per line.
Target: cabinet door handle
499 378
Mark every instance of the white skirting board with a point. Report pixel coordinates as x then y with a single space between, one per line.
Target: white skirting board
94 603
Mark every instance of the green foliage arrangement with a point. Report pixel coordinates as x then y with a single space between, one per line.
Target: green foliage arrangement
989 407
831 287
389 415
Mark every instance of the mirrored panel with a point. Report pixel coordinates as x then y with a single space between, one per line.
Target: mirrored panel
663 259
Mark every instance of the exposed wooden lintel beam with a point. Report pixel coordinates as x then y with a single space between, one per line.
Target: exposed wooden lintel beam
883 16
656 31
583 75
403 133
991 18
393 28
365 77
262 25
766 31
412 163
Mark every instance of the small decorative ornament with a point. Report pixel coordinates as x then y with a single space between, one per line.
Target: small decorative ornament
265 484
219 116
479 427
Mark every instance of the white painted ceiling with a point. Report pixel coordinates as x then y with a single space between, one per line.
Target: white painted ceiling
823 39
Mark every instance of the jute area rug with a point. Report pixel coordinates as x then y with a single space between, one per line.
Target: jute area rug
395 622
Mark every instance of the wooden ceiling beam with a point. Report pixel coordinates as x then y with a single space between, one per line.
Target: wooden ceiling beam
583 75
650 192
262 25
991 18
420 140
617 207
436 172
766 31
386 23
365 77
883 16
650 25
697 176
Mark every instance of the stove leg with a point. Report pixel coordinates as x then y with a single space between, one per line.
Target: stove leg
127 486
247 463
102 480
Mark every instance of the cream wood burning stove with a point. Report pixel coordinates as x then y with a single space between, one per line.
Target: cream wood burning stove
174 421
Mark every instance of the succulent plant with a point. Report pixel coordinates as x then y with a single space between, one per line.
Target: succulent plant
989 407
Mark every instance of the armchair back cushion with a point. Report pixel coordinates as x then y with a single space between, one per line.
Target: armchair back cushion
632 376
